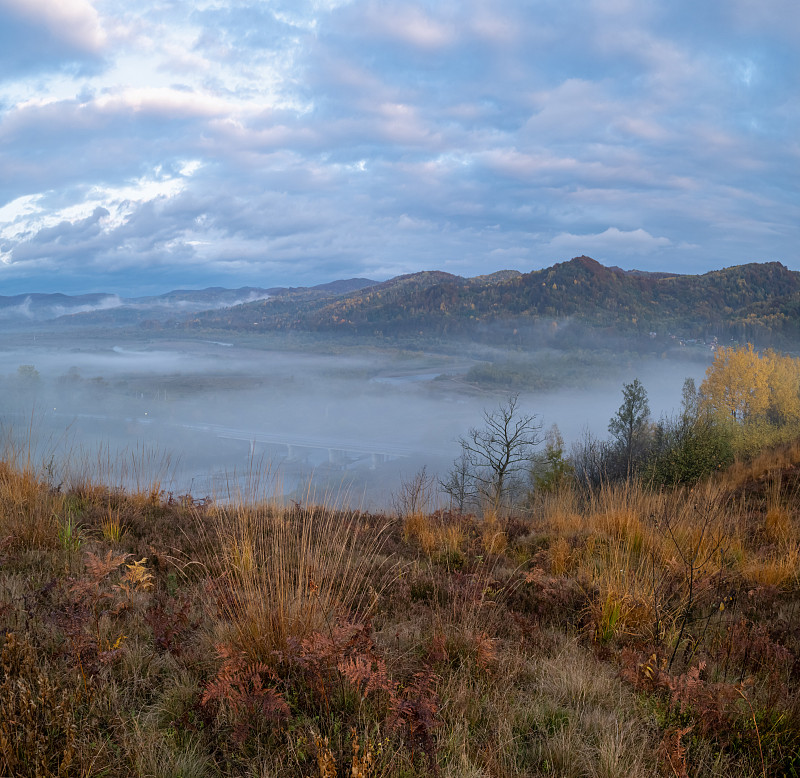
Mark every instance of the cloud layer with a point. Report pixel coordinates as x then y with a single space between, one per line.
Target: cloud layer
151 145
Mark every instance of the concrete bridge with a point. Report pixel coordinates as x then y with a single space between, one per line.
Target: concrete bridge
340 452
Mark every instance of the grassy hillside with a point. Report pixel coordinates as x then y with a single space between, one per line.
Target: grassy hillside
616 633
758 302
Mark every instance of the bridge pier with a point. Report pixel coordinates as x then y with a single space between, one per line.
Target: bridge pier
336 457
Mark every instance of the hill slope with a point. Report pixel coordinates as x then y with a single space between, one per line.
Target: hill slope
760 301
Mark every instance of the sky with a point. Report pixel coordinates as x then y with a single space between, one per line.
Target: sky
156 145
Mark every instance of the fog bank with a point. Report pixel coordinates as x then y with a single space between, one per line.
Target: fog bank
203 416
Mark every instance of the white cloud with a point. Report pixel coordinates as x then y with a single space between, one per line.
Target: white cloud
398 134
73 21
410 25
610 242
778 16
164 100
27 216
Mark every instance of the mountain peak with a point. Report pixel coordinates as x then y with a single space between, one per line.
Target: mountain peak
590 265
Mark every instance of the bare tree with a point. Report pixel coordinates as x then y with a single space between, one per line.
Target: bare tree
500 450
415 493
459 485
590 458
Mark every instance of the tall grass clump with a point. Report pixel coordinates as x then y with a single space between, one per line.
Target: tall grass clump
138 471
291 572
28 506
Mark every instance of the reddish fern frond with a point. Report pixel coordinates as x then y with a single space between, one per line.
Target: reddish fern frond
438 650
356 669
709 703
99 568
683 688
414 710
486 654
367 674
240 685
672 751
169 623
273 706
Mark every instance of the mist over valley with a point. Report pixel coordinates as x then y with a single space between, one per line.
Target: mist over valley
212 411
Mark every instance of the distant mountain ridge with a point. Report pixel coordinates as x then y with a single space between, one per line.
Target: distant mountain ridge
758 302
114 309
755 301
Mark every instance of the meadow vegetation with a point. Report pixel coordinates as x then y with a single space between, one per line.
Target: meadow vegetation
625 628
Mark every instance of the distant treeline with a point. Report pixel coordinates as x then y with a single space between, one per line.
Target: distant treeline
749 303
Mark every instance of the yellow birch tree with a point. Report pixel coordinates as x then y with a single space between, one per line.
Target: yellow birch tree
784 387
737 384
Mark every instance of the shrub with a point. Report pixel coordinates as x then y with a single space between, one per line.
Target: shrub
686 453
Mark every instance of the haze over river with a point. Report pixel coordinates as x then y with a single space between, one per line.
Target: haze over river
203 416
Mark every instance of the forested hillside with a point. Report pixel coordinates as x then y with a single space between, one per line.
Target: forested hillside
758 302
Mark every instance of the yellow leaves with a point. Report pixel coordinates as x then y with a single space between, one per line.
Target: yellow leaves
745 385
784 379
137 577
652 664
735 383
363 757
326 761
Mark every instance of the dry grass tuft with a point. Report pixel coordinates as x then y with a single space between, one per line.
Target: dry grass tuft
494 539
561 557
778 525
28 508
437 536
290 572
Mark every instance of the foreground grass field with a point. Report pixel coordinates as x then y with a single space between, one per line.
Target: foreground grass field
619 633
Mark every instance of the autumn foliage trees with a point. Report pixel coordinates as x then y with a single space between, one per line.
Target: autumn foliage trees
749 400
750 386
755 394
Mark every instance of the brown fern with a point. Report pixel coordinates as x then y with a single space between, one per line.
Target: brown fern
414 711
438 650
486 651
672 751
711 704
169 623
367 674
240 686
98 568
